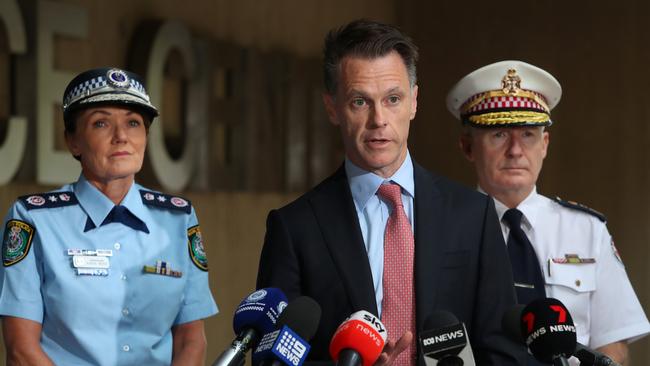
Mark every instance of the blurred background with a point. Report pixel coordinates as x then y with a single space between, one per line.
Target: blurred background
243 129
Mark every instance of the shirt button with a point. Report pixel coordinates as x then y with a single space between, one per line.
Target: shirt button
125 311
123 277
578 283
126 348
117 246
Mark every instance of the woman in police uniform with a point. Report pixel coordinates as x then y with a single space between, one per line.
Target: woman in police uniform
103 271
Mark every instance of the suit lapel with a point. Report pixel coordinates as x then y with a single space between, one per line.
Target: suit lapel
429 224
337 217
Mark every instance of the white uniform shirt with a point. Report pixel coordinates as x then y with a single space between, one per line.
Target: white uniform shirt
599 295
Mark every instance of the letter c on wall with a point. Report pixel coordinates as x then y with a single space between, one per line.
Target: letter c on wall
173 175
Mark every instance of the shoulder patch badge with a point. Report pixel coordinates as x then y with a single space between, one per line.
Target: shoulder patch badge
580 207
161 200
49 200
195 246
16 242
616 253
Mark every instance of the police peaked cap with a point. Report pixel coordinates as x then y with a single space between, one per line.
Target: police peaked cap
106 86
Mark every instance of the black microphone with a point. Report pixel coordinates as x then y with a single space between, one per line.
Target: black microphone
288 344
587 356
257 314
511 325
591 357
548 331
444 341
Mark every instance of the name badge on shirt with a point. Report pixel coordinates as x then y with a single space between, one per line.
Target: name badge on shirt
98 252
92 272
87 261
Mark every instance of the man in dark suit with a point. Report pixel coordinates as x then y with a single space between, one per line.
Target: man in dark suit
351 246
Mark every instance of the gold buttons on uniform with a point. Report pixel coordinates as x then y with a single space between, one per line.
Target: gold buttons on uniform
578 283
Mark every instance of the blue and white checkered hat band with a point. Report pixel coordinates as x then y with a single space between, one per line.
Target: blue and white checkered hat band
99 85
114 86
106 86
86 88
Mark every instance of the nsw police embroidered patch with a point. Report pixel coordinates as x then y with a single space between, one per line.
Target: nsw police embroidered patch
195 246
16 242
616 253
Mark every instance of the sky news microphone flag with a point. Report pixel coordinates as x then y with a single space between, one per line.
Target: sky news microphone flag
359 340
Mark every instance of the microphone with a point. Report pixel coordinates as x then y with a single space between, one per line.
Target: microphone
548 330
586 355
359 340
257 314
445 342
288 345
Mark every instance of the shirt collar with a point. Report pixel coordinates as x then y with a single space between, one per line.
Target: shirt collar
364 184
528 207
97 205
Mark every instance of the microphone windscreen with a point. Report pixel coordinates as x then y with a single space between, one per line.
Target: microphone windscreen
302 316
260 311
511 323
440 319
549 330
362 333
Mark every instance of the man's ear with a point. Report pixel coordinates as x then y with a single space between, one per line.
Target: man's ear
465 144
414 101
330 108
545 140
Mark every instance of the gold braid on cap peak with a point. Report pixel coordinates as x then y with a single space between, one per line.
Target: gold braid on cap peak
510 118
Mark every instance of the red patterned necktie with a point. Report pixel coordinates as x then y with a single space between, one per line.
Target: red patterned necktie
398 304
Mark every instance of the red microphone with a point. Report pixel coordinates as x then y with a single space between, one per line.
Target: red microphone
359 340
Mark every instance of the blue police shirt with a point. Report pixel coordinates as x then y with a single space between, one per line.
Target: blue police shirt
373 212
87 283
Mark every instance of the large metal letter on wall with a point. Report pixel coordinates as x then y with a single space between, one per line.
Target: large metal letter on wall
13 148
172 174
54 167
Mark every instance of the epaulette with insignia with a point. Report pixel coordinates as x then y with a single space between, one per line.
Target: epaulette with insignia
580 207
49 200
165 201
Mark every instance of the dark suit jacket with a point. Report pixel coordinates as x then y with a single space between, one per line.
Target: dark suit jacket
314 247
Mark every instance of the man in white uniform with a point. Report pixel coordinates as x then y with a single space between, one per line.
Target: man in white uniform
504 108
